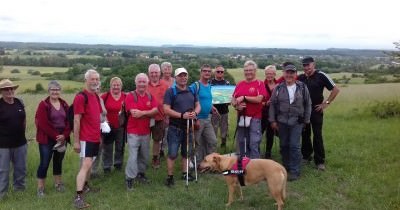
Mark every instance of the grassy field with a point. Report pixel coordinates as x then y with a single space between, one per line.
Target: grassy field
362 168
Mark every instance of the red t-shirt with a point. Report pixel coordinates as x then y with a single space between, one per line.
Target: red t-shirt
113 107
158 92
253 88
90 120
139 126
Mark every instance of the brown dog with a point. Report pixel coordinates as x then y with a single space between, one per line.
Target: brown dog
257 170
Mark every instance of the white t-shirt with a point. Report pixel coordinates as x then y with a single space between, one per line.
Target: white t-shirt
291 90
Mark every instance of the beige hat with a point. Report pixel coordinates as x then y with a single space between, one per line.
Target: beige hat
180 71
6 83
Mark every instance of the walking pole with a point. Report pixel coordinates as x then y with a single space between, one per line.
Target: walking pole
194 150
187 153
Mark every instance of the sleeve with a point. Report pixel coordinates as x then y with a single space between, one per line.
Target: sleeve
262 90
79 104
272 111
154 103
167 96
307 108
129 102
328 82
42 121
235 92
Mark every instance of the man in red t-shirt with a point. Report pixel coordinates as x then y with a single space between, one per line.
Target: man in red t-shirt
141 106
247 99
157 88
87 110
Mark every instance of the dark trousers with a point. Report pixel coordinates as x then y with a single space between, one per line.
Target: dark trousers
269 135
289 136
46 154
317 146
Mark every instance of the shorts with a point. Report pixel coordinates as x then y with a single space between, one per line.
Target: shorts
89 149
157 131
177 138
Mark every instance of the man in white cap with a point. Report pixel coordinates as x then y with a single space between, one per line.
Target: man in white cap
13 147
180 104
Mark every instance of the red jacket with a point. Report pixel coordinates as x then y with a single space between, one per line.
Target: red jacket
44 128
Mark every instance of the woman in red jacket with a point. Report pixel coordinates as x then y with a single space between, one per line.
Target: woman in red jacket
52 134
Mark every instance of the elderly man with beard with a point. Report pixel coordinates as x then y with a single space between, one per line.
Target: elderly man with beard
87 110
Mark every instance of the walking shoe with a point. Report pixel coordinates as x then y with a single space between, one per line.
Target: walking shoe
89 189
156 163
306 161
79 203
190 177
60 187
169 181
321 167
141 177
40 192
129 184
292 177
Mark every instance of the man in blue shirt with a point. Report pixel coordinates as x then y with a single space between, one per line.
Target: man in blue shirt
206 141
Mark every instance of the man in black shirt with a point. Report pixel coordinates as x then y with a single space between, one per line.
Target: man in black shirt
316 81
220 119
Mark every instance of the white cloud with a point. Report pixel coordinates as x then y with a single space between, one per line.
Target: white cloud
251 23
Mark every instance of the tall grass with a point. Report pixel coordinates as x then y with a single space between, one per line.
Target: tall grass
362 169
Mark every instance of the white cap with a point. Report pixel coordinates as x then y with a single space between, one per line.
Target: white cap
180 71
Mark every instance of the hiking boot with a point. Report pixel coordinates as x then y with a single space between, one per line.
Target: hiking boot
141 177
292 177
156 163
40 192
190 177
79 203
306 161
60 187
89 189
321 167
170 181
129 184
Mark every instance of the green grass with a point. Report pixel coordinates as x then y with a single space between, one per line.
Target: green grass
362 168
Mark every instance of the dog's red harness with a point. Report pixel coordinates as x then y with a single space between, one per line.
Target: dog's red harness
238 169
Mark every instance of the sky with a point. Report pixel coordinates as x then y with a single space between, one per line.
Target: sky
305 24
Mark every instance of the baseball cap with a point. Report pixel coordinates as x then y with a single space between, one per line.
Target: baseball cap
290 67
180 71
307 60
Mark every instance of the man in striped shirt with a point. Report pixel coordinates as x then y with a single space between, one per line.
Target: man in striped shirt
316 82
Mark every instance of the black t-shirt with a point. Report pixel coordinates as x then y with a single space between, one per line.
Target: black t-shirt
12 124
316 84
183 101
222 108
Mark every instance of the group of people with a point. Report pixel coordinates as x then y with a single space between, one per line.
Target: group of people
165 108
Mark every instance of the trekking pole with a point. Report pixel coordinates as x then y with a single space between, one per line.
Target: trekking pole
194 151
187 152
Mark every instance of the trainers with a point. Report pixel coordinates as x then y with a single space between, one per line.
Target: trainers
190 177
156 163
79 203
40 192
129 184
141 177
89 189
321 167
170 181
292 177
60 187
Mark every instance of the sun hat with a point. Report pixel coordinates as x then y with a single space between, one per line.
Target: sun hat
6 83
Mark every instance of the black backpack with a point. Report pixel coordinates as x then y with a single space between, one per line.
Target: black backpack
70 114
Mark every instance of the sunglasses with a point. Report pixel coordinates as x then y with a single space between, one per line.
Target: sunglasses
55 89
8 88
220 72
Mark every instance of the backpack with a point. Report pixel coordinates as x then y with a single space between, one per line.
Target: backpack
70 113
193 90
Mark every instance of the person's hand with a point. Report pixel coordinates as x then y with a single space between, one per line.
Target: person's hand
239 99
241 106
136 113
321 107
274 126
189 115
215 110
268 103
60 138
77 146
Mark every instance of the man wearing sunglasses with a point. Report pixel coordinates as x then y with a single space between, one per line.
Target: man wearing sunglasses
316 82
220 120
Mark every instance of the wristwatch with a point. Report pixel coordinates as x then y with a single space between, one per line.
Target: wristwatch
328 102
